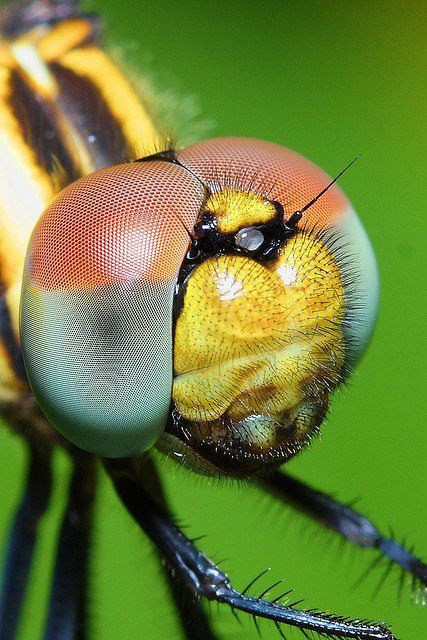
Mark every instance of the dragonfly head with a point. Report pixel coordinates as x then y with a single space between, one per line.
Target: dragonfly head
209 301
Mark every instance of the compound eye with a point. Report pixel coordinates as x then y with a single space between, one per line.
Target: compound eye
96 308
249 239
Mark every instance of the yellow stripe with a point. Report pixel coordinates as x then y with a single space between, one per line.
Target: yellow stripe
137 125
64 37
25 190
37 75
25 187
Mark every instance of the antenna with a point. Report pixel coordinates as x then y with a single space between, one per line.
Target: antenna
296 217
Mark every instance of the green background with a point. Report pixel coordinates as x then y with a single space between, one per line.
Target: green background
330 80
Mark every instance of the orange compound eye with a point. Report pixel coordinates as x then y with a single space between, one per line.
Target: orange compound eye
119 224
267 169
97 303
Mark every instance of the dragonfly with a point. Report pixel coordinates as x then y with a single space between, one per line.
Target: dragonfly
204 302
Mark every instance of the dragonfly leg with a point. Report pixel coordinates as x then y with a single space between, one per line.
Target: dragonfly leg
23 538
345 520
67 612
206 580
194 621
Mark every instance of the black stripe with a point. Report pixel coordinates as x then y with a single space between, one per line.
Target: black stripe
7 336
39 130
85 107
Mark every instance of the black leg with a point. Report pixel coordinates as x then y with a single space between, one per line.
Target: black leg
23 538
67 614
344 520
194 621
205 579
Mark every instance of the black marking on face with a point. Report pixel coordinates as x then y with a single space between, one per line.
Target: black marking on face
208 241
225 450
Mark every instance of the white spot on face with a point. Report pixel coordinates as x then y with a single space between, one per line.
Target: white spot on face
228 287
288 273
92 138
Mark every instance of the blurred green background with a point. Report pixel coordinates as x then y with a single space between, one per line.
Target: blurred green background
330 80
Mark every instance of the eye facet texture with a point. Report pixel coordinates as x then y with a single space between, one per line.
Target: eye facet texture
96 312
282 175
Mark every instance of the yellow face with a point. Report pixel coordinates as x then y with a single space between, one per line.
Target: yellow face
232 208
258 339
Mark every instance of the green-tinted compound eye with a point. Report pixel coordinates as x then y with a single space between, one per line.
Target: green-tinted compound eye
96 312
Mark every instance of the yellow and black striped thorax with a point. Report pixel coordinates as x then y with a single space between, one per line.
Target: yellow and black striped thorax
66 109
